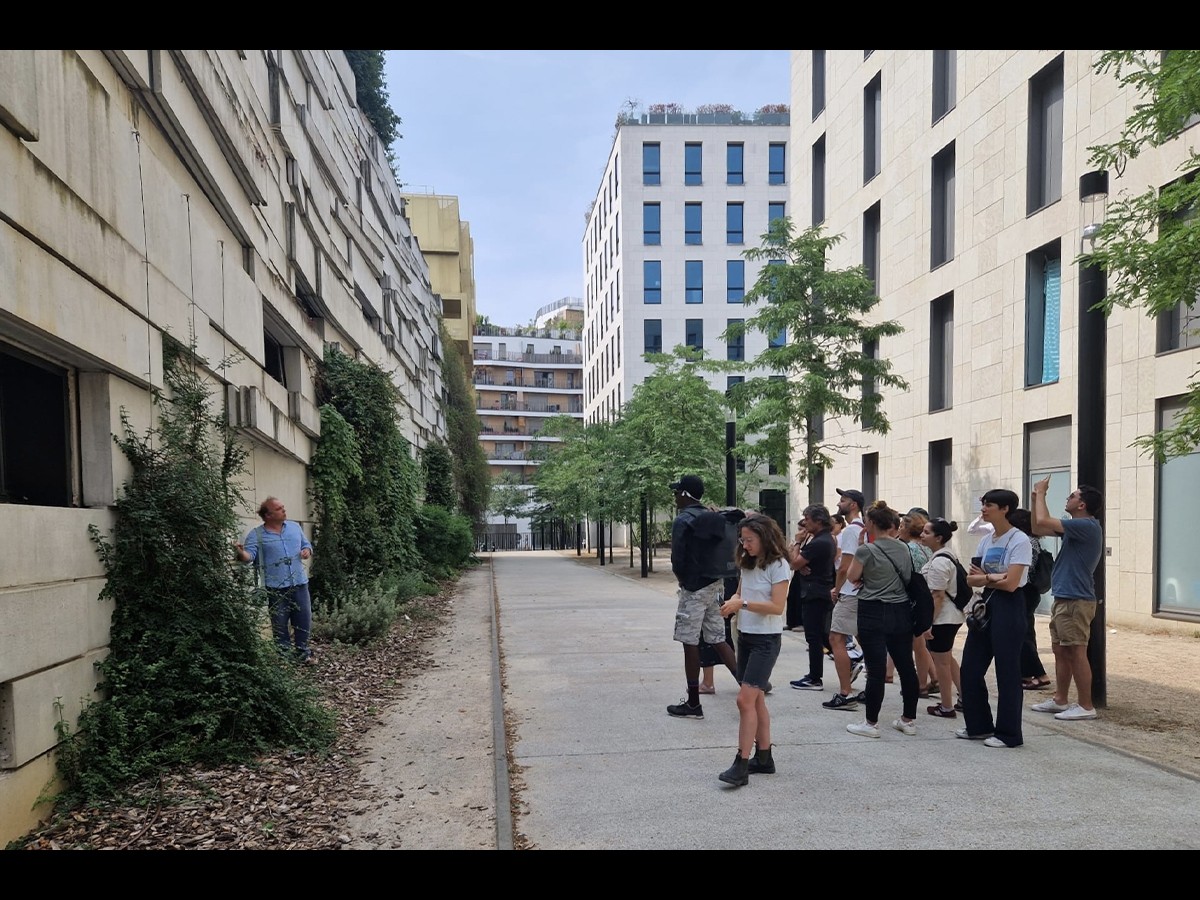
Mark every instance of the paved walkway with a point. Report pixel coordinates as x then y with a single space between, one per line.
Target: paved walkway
591 667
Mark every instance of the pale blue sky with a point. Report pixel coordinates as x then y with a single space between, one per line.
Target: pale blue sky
521 137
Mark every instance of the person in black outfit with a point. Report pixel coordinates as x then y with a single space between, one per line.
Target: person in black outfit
1033 673
814 564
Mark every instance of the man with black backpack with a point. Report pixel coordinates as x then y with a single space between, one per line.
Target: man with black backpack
701 557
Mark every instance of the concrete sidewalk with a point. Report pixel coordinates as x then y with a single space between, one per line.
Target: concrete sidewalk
591 667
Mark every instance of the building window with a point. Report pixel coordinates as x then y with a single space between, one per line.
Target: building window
871 245
732 381
653 336
734 163
652 281
693 161
777 164
651 164
775 211
735 346
818 82
694 281
693 333
735 280
1045 136
734 232
1048 454
941 477
870 477
1043 277
693 223
778 339
35 431
651 223
870 351
941 353
452 307
818 181
872 128
1178 565
1178 327
941 244
945 78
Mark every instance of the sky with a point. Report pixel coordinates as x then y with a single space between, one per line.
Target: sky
521 137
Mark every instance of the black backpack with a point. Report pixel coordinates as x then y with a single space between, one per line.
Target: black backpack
919 596
1040 571
716 537
962 590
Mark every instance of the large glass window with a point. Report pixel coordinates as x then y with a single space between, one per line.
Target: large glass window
1178 565
735 163
693 333
871 245
941 353
1043 292
693 163
778 339
941 243
941 477
653 336
693 223
818 181
651 223
35 431
777 164
872 128
735 280
734 231
945 79
1044 184
652 281
818 82
775 211
735 346
1047 453
651 164
694 281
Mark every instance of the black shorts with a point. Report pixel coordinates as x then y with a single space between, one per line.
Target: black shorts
756 656
943 638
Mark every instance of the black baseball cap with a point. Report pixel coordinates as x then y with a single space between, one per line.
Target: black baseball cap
690 485
856 496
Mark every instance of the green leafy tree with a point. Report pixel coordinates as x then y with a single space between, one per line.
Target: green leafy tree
372 95
438 469
189 677
821 371
568 481
1149 243
472 478
508 499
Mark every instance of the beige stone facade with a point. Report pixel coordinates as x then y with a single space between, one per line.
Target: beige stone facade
238 199
445 241
955 176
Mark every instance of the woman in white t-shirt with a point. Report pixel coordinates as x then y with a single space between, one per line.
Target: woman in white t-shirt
942 576
759 603
1001 568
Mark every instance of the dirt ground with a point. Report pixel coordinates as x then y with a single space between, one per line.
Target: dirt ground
1153 709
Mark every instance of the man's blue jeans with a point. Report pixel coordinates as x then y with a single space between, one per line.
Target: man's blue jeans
291 606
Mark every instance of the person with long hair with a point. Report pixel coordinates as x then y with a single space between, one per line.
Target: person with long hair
762 560
1002 570
814 567
942 576
885 618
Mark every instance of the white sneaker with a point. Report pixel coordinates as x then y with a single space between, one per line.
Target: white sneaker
994 742
863 729
1051 706
1075 711
856 669
905 727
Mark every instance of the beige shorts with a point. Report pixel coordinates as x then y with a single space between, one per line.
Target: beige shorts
845 615
1071 622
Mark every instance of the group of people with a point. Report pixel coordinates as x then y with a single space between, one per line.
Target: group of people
845 580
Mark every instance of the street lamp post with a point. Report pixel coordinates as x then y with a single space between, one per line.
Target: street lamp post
1092 377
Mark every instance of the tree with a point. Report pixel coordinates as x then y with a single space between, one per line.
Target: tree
371 94
438 469
472 479
823 368
508 499
1149 243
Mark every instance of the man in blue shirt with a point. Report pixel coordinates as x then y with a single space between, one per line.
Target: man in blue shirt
278 548
1074 590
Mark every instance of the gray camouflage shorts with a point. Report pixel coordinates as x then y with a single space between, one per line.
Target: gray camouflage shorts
699 613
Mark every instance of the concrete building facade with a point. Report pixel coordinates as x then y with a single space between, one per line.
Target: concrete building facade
446 244
955 178
235 199
681 197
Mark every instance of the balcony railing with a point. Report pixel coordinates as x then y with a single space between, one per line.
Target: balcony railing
574 406
556 334
565 359
489 379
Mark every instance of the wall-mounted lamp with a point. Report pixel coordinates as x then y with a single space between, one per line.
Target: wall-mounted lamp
1093 197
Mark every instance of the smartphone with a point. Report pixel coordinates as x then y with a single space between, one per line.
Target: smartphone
977 561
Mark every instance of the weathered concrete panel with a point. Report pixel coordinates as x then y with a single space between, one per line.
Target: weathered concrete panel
31 707
45 625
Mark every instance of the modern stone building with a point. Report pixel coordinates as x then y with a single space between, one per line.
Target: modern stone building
446 244
236 199
961 180
682 195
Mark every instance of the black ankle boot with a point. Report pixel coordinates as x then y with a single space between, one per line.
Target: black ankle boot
762 763
738 774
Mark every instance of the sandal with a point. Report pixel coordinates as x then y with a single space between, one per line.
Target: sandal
941 712
1032 684
705 689
934 687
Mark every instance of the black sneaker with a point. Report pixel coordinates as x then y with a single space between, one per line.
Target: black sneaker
860 697
808 683
841 701
684 710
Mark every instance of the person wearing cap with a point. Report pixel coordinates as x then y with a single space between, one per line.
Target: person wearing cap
844 623
697 535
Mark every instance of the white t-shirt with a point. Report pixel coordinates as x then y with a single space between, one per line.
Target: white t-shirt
940 574
1010 549
848 541
756 588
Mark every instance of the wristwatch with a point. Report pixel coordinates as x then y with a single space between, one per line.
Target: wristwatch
745 604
